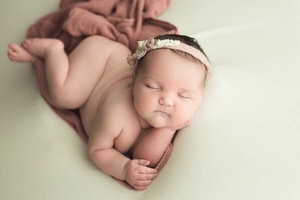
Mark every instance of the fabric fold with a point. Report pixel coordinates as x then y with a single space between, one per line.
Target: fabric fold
124 21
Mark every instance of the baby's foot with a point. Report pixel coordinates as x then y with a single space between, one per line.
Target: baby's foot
41 46
19 54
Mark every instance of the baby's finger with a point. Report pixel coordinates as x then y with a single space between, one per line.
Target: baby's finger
143 162
147 170
143 182
140 187
147 176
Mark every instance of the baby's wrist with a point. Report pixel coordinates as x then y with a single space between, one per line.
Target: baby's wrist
124 170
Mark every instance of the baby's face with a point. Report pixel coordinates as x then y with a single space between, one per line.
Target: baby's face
168 89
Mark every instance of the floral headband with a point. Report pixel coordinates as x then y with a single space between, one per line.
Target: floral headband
152 43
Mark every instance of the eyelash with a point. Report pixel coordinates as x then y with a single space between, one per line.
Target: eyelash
183 96
157 87
151 87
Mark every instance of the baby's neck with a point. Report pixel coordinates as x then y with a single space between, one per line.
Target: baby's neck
144 124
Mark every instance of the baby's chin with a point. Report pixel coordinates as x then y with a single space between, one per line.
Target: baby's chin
158 122
167 124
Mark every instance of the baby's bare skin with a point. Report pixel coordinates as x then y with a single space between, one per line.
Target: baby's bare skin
100 110
121 111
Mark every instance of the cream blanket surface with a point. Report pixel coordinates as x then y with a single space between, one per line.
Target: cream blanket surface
244 143
124 21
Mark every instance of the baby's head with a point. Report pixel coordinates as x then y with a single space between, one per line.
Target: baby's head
170 76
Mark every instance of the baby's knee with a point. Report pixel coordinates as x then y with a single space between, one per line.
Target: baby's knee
58 43
54 44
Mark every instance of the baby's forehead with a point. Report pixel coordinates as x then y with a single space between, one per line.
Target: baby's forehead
166 81
156 54
167 63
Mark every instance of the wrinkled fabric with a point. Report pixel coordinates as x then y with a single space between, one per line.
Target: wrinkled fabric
124 21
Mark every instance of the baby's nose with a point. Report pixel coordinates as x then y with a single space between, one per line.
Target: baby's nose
166 100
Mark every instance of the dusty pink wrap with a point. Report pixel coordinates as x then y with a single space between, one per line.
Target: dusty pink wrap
125 21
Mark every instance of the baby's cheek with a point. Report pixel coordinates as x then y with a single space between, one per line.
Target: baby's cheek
186 114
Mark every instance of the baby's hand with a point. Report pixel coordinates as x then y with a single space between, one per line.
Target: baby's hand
138 175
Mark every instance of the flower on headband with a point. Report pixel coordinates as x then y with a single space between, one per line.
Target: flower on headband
148 45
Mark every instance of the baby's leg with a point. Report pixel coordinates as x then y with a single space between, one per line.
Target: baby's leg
56 67
72 79
52 52
18 54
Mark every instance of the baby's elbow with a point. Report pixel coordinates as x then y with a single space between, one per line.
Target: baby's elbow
92 154
98 157
95 154
92 149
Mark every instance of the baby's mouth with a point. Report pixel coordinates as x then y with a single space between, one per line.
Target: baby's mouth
163 113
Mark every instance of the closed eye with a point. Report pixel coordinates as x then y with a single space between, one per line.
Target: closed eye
184 96
152 86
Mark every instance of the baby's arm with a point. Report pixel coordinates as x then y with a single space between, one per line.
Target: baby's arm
114 163
153 144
